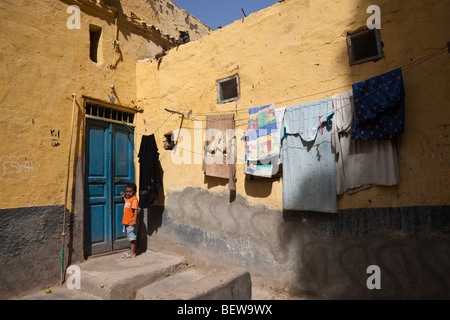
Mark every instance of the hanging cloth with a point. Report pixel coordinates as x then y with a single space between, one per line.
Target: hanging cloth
263 142
379 107
219 153
150 177
309 178
279 114
359 164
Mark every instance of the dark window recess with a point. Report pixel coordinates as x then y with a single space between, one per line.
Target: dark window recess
184 37
88 108
364 46
94 110
107 113
228 89
94 37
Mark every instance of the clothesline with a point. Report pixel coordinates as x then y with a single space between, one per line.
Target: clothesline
295 178
406 68
180 148
313 105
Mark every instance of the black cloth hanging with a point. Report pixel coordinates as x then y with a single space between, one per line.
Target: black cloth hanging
150 174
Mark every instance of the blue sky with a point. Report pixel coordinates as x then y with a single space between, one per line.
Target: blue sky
216 13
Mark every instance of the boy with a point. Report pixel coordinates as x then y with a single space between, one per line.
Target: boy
130 218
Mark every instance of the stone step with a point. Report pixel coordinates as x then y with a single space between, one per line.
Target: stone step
113 278
152 291
150 276
227 284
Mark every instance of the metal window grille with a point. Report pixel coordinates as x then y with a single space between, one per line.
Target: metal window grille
101 112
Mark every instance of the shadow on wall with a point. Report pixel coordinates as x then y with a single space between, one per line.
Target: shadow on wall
114 3
212 182
319 255
154 212
327 255
258 188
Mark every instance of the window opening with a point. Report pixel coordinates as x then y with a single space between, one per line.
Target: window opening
94 110
228 89
364 46
100 111
94 37
107 113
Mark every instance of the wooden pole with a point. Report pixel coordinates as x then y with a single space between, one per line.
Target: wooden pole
67 189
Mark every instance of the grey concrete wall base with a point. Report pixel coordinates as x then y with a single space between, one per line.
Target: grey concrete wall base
316 255
30 250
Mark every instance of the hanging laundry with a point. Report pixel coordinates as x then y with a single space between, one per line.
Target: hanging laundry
263 142
279 115
343 107
219 155
359 164
309 178
379 107
150 177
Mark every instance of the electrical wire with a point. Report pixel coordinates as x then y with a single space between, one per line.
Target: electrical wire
240 122
407 67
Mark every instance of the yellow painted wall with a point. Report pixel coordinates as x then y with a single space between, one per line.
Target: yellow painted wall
295 52
43 63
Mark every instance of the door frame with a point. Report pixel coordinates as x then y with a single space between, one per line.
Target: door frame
113 126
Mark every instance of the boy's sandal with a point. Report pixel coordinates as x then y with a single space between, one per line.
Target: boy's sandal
126 254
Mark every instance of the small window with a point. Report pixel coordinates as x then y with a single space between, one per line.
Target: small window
364 46
94 37
228 89
106 113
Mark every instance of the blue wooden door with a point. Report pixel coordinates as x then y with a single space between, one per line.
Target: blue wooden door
109 167
122 174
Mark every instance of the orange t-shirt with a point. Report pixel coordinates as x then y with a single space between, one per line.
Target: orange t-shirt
128 215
